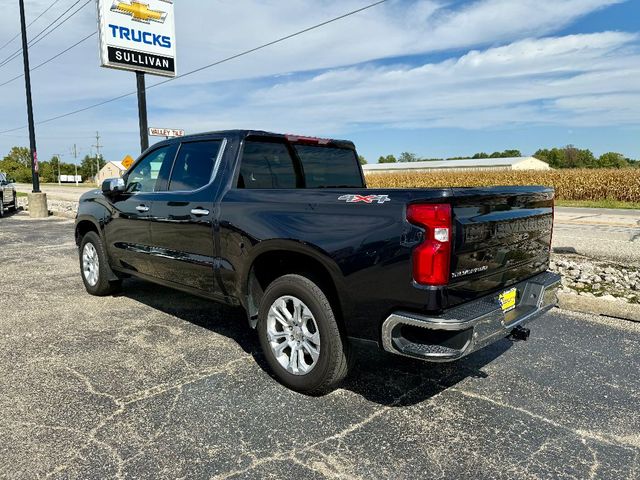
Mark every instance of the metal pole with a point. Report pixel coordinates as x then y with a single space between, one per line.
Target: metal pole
75 162
142 111
35 178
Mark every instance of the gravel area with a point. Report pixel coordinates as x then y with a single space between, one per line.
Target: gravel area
592 278
57 207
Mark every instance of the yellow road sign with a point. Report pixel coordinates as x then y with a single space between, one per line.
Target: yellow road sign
127 161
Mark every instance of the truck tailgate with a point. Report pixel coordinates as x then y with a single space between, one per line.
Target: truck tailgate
502 236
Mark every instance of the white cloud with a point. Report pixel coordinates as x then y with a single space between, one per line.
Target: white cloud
487 86
533 81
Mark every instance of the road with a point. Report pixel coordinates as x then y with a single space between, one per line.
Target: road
67 193
158 384
599 233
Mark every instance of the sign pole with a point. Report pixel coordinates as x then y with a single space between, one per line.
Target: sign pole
35 178
142 111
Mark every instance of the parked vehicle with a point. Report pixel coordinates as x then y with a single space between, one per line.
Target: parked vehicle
285 227
8 195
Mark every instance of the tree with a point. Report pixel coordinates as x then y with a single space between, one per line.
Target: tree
511 153
480 155
612 160
505 154
408 157
363 161
89 167
17 164
387 159
554 157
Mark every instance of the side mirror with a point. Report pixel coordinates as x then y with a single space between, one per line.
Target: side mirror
111 186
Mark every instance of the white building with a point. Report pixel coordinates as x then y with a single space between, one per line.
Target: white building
110 170
515 163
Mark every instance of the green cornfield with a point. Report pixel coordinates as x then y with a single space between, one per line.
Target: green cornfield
577 184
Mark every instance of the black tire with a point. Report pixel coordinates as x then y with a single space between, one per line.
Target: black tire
332 364
103 286
14 208
1 208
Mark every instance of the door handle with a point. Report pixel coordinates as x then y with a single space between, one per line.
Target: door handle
199 212
142 208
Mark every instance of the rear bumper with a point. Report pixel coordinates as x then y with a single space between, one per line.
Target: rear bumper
469 327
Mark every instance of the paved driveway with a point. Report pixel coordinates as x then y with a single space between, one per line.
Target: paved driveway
600 233
158 384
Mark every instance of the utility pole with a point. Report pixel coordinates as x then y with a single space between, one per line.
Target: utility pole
37 200
35 178
142 111
75 162
57 155
98 157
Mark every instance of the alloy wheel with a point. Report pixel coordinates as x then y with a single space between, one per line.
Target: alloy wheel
293 335
90 264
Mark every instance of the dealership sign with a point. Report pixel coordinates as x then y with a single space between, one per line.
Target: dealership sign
138 35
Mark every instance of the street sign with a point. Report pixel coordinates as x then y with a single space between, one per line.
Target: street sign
127 161
166 132
138 35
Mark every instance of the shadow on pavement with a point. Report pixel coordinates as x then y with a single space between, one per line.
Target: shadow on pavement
378 376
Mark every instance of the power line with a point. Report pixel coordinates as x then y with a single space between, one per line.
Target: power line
31 23
227 59
42 35
50 59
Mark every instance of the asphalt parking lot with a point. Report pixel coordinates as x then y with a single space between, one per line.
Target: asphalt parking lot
157 384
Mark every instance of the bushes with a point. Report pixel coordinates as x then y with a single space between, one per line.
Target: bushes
576 184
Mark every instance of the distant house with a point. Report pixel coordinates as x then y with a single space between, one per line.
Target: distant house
466 165
110 170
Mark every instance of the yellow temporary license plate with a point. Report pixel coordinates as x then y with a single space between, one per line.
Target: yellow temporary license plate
508 299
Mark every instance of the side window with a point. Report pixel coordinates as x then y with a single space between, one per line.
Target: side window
194 165
144 176
266 165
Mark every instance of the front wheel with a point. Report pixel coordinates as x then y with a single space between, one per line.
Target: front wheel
1 208
94 267
300 337
15 202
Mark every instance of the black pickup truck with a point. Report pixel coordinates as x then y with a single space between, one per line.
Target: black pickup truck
285 227
8 195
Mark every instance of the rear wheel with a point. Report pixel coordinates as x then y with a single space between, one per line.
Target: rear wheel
94 267
300 337
1 208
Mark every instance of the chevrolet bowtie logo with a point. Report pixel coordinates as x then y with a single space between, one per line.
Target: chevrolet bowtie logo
139 11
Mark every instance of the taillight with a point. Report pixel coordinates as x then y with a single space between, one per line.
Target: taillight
308 140
432 258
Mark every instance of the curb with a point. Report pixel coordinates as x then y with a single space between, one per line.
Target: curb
599 306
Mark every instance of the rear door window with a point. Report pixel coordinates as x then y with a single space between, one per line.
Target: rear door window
267 165
194 165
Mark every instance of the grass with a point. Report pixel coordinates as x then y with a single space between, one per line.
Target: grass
20 194
598 204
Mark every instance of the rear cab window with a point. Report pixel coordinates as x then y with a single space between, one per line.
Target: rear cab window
281 165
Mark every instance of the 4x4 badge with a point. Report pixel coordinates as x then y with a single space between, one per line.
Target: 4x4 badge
365 198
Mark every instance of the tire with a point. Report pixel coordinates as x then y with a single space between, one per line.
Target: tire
1 208
93 260
278 338
14 208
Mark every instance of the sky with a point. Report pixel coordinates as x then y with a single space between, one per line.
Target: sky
435 78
